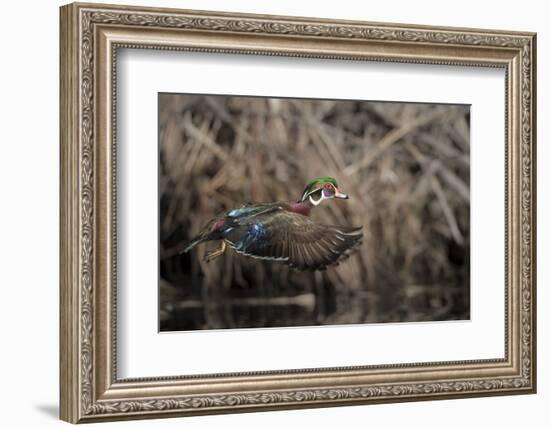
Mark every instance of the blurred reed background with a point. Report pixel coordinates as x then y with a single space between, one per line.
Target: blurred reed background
405 166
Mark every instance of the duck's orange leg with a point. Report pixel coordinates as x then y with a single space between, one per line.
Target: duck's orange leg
214 254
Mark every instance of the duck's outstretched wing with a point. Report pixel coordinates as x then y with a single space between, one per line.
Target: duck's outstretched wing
292 238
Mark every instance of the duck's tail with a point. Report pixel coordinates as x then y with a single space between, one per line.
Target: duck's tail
194 242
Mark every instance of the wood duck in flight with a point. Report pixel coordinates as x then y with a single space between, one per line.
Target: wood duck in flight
283 232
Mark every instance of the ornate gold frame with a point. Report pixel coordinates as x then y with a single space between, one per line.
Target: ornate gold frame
90 36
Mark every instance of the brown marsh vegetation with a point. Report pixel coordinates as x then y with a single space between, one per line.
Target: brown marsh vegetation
405 166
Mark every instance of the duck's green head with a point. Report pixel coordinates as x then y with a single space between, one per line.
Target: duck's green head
321 189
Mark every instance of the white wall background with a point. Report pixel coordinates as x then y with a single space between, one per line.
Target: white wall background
29 170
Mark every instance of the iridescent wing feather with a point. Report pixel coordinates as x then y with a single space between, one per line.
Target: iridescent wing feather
279 235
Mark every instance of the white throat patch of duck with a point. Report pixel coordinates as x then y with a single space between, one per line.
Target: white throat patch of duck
283 232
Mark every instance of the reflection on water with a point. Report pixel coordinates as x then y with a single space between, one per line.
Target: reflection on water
332 307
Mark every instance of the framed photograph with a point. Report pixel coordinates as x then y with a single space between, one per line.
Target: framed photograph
266 212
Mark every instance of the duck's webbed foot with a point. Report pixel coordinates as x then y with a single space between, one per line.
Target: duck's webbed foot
214 254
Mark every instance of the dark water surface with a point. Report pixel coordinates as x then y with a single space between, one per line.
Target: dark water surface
331 308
